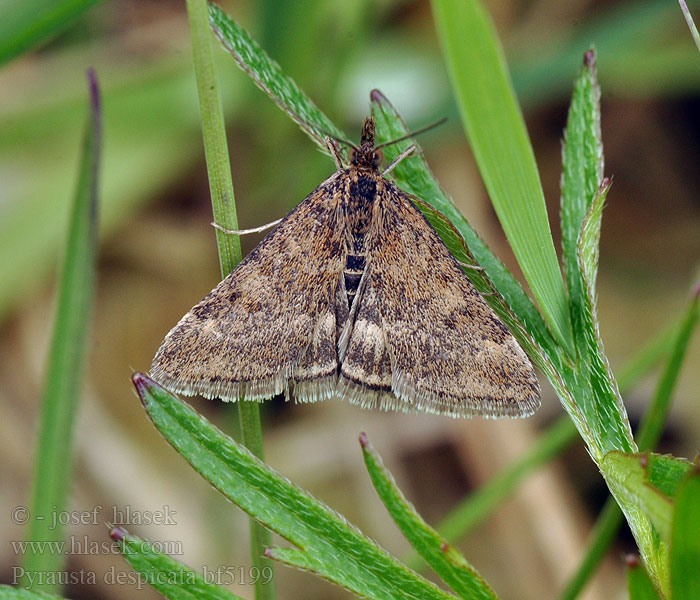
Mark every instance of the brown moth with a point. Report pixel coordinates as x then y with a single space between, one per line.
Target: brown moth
352 295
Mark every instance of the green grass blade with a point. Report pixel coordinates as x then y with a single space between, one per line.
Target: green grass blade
170 578
30 22
268 76
224 209
413 175
214 134
339 551
685 547
582 173
445 560
582 199
10 593
639 586
53 464
502 149
691 23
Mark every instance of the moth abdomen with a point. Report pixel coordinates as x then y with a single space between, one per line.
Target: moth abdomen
354 269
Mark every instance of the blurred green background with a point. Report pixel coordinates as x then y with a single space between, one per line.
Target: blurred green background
158 257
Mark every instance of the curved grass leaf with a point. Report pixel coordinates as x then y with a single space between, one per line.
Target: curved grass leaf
268 76
685 546
170 578
30 22
445 559
332 548
502 149
52 465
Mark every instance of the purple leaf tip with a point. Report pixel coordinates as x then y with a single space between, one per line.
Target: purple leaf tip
267 553
376 96
589 58
631 561
142 383
94 88
118 534
364 441
696 290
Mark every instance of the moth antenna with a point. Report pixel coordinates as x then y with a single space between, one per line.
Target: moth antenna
245 231
410 150
413 133
333 137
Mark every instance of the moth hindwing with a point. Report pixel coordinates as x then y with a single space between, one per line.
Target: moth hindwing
353 295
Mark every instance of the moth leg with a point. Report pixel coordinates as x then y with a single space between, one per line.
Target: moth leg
469 266
334 153
407 152
245 231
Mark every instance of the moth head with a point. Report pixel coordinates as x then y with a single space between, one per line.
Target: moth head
365 156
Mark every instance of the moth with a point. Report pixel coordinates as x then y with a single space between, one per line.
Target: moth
351 295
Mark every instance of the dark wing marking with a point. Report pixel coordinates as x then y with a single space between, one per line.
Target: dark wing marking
449 352
271 321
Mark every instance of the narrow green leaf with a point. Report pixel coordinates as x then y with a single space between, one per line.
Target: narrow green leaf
639 585
502 149
229 246
582 198
268 76
10 593
445 559
685 546
30 22
582 171
53 464
214 134
588 244
170 578
648 480
599 398
337 550
691 23
413 175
